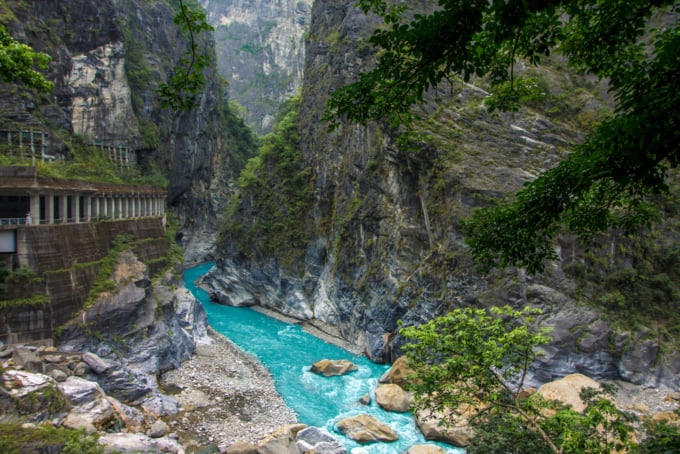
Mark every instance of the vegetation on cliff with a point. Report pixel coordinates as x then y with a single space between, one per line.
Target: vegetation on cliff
269 214
606 182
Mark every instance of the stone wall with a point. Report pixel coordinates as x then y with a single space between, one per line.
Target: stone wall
67 256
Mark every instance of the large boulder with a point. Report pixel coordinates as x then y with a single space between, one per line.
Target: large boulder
79 391
393 398
318 441
366 429
281 441
397 373
328 368
567 390
452 428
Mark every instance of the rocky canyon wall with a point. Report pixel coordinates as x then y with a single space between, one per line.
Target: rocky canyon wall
260 51
382 240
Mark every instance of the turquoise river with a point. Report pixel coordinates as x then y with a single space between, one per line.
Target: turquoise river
288 352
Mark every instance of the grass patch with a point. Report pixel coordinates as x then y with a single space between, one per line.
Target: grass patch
18 439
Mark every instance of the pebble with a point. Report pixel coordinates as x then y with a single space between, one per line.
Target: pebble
245 406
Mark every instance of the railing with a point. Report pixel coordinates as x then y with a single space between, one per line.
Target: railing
13 221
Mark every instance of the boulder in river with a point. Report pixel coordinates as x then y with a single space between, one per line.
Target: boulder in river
393 398
318 441
329 368
366 429
398 373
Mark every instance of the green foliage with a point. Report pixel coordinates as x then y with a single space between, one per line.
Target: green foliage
17 62
16 439
104 282
22 287
661 438
276 190
605 183
474 358
86 162
188 79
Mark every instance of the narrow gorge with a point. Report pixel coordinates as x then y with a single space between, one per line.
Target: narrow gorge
353 232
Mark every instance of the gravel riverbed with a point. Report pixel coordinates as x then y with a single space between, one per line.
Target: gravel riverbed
226 396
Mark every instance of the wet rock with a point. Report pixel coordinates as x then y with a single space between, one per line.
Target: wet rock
365 428
365 399
329 368
393 398
317 440
397 373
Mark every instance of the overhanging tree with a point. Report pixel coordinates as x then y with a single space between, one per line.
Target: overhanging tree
606 181
473 358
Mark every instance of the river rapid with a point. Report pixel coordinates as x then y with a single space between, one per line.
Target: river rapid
288 353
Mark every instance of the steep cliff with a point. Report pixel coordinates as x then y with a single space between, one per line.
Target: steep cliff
260 51
382 242
108 59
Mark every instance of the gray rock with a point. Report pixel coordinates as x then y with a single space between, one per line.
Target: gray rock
97 364
81 369
27 360
161 405
138 443
158 429
79 391
58 374
317 440
20 383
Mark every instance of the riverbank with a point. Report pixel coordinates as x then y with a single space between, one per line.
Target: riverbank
226 396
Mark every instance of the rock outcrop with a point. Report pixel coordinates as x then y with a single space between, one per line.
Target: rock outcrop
129 337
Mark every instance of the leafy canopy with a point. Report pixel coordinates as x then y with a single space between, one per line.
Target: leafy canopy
477 360
605 182
18 62
179 93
